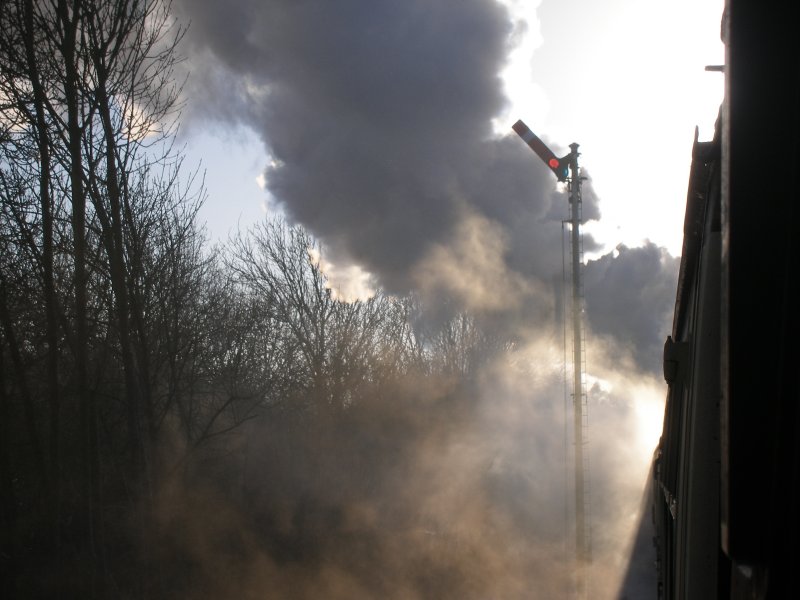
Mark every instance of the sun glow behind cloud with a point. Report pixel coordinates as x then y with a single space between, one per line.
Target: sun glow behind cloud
518 83
349 283
628 83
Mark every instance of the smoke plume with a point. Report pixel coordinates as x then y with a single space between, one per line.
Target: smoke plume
378 118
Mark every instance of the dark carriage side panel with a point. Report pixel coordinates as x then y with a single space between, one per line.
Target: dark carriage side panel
728 463
759 327
687 462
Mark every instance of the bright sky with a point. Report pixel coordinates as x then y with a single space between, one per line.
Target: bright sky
630 95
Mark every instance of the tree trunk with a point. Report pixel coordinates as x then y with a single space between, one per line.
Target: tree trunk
53 494
69 18
8 502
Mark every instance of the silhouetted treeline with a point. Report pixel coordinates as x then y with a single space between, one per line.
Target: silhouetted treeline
132 351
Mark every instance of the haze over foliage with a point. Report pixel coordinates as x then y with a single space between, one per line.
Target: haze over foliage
181 420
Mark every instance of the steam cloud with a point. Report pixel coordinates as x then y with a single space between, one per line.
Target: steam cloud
432 490
378 120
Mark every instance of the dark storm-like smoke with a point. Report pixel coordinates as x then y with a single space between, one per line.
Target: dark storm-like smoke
378 116
630 295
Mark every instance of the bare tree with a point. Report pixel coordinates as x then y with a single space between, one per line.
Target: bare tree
87 99
338 349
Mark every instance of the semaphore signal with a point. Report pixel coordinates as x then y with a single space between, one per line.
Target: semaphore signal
561 167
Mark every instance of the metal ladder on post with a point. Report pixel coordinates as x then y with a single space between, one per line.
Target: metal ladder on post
587 482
